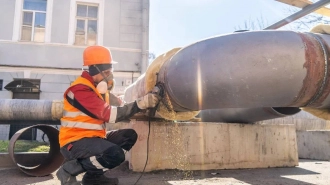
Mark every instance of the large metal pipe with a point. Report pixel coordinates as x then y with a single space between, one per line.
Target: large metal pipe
249 70
239 70
246 115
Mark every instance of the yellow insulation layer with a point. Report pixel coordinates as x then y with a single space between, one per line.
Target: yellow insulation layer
320 113
321 28
165 108
57 109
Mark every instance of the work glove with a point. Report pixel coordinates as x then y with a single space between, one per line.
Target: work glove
150 100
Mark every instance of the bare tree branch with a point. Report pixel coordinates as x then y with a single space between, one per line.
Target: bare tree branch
303 24
259 24
307 22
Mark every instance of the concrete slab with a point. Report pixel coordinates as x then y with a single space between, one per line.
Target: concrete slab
204 146
314 144
24 158
5 161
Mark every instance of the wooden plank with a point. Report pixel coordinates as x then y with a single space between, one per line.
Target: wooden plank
302 3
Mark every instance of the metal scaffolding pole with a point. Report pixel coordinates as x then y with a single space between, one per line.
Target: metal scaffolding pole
306 10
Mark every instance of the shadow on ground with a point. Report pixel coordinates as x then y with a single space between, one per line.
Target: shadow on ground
307 172
14 176
271 176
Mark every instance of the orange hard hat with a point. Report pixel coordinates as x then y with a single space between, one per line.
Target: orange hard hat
97 55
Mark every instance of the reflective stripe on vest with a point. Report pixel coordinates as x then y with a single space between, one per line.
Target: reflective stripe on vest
74 124
73 114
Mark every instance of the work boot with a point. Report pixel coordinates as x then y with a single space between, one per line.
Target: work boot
66 178
68 172
98 179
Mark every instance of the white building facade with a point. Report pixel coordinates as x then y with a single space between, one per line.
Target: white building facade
42 41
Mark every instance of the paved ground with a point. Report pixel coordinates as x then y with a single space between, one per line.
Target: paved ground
308 172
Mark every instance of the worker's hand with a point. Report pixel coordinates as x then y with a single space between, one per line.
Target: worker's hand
148 101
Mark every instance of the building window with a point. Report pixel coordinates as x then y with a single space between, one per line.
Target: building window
86 25
34 20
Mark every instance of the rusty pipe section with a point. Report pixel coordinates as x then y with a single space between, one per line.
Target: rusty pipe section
249 70
246 115
21 109
53 160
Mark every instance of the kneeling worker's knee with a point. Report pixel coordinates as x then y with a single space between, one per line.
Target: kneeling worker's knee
113 156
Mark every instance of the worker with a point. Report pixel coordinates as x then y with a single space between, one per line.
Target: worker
83 139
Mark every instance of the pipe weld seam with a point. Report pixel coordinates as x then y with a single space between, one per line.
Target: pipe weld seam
325 77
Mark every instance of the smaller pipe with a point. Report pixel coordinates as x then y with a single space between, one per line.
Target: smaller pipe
54 158
246 115
306 10
22 109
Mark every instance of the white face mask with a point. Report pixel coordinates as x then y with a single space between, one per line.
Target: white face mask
102 87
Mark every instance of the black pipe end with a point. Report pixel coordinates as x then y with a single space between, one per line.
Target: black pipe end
287 110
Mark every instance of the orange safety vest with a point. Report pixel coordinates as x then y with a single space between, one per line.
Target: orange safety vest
75 124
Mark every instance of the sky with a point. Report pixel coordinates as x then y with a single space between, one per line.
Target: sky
177 23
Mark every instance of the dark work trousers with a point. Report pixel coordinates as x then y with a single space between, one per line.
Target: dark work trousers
97 154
